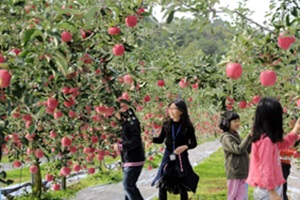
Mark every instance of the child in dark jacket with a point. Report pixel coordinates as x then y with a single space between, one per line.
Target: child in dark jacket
236 156
132 153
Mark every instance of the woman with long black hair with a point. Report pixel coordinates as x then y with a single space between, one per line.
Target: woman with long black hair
176 174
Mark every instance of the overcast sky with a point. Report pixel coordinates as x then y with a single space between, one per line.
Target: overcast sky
259 8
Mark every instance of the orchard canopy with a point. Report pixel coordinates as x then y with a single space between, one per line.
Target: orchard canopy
67 66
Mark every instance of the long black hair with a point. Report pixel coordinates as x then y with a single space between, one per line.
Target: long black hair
268 120
184 118
130 116
227 117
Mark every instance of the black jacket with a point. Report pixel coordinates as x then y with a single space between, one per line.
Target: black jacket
132 146
185 137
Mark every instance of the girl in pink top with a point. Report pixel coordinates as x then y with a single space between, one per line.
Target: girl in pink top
265 172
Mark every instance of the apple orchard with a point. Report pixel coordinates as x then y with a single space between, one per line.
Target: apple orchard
67 66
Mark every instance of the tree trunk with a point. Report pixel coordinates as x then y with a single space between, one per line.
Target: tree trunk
37 183
63 183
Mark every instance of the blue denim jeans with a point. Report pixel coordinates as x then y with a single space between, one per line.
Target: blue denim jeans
130 177
263 194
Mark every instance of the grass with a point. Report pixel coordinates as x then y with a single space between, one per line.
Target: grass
23 174
105 177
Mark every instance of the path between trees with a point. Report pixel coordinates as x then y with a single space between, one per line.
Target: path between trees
197 155
115 191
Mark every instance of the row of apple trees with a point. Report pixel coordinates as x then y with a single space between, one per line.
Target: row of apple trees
262 59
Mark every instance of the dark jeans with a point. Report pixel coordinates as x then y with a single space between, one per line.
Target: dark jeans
130 177
162 194
286 172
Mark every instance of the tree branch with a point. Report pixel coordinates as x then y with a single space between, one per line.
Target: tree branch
236 12
254 22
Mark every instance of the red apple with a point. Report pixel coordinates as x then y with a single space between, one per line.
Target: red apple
113 30
256 99
229 107
57 114
268 78
131 21
69 103
195 86
183 83
56 187
242 104
94 139
87 59
2 59
49 177
66 141
27 117
147 98
298 102
72 114
15 52
76 168
73 149
118 50
128 79
50 111
65 90
234 70
66 36
53 134
125 96
52 103
160 83
34 169
230 99
5 77
109 111
65 171
140 11
17 164
85 34
91 170
100 109
39 153
285 42
100 157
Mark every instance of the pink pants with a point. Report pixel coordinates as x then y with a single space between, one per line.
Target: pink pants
237 189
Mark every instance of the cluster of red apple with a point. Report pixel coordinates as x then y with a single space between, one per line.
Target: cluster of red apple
267 77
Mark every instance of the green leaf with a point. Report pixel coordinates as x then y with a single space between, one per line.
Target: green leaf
287 20
38 35
66 25
170 17
27 36
61 63
295 12
90 15
31 129
23 54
